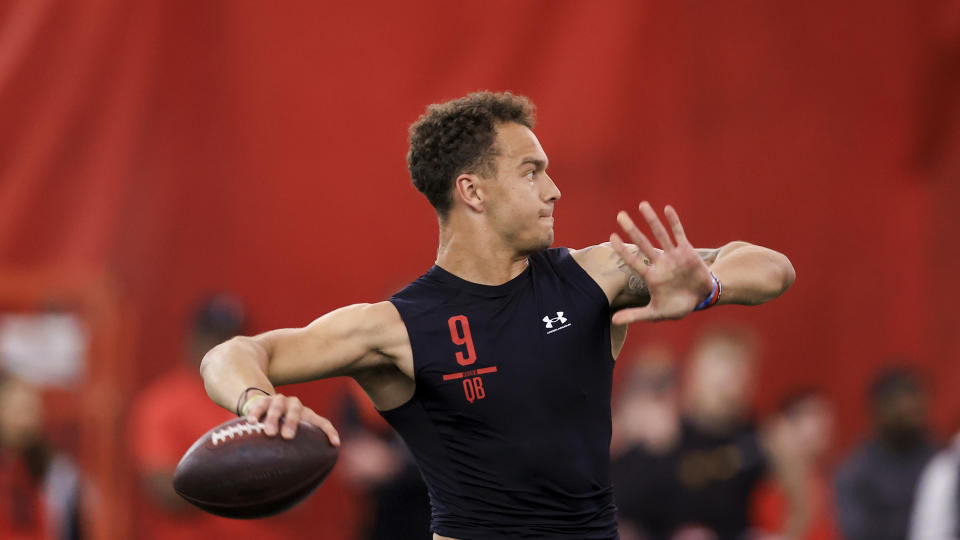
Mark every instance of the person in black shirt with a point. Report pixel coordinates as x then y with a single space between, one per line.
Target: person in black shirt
705 479
875 485
496 365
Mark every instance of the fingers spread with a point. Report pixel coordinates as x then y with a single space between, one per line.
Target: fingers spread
627 255
659 232
674 220
637 237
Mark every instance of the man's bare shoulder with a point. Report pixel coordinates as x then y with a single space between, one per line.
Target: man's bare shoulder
602 264
377 316
380 322
595 256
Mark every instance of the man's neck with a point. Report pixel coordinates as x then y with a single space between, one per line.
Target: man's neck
475 254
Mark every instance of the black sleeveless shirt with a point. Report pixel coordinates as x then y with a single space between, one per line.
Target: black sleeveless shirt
510 420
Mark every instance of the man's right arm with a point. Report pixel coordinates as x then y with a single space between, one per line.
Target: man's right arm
346 342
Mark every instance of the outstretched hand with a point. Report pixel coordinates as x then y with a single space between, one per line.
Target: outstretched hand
677 278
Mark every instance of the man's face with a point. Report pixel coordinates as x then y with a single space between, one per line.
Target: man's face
903 413
812 421
519 199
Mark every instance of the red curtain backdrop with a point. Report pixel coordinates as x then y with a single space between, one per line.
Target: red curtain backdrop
181 147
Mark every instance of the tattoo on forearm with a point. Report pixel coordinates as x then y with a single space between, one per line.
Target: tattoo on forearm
635 283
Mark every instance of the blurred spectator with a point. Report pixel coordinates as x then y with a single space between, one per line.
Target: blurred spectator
937 506
875 485
374 459
646 409
699 487
168 416
797 503
38 487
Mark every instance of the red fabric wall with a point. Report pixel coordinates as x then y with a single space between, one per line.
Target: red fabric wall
259 147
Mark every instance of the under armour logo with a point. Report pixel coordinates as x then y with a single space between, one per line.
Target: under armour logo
558 319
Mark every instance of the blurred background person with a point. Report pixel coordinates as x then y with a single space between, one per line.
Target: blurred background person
875 485
699 487
375 460
646 424
168 416
796 502
646 411
38 487
936 508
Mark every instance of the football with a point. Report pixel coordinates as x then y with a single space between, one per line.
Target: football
235 470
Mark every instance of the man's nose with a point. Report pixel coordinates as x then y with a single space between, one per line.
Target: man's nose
553 192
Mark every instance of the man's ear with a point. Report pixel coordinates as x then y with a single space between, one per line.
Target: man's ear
467 189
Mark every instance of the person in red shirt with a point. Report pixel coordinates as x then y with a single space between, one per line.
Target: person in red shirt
39 485
796 502
167 417
22 453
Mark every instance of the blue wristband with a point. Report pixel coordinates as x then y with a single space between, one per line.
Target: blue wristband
714 295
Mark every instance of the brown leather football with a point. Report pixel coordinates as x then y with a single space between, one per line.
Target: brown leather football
236 471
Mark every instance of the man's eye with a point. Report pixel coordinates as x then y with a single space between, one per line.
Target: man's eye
531 173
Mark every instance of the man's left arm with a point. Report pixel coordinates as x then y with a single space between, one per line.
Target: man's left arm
646 283
751 274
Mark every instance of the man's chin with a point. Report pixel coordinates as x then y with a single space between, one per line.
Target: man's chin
540 244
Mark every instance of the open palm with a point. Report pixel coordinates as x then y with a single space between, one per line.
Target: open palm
677 278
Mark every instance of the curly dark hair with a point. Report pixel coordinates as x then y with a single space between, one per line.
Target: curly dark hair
457 137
